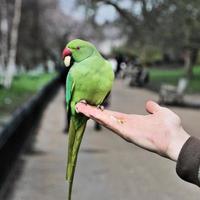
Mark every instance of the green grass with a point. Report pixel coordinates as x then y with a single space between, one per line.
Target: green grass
23 87
171 76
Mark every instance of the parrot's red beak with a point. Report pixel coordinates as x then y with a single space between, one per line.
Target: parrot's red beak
66 52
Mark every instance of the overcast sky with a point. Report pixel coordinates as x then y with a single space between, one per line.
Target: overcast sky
105 12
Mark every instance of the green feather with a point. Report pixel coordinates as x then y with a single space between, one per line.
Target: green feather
75 138
90 78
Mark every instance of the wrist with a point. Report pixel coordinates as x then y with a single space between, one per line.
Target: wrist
177 141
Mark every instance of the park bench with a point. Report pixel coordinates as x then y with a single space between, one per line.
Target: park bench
170 94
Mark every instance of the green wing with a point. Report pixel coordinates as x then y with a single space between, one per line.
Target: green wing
69 89
69 92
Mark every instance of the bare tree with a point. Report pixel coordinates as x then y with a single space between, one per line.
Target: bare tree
11 66
3 38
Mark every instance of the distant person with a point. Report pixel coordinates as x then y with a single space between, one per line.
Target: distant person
142 76
120 59
160 132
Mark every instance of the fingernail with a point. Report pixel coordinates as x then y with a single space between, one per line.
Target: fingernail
76 108
80 107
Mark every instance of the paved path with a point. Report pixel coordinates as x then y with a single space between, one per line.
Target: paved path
108 168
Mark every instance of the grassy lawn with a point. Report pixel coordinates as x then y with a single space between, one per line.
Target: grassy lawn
22 89
159 76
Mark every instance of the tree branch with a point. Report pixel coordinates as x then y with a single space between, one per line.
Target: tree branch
124 13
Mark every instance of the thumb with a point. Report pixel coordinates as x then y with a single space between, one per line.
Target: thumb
152 107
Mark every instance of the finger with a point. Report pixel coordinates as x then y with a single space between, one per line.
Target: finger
84 109
93 111
114 121
108 118
152 107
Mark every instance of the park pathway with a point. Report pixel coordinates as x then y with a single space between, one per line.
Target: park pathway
108 167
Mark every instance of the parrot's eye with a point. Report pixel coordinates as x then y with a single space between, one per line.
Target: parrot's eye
77 47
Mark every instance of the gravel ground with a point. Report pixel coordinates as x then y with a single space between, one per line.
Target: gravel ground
108 167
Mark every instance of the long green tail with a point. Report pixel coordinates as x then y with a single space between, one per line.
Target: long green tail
75 137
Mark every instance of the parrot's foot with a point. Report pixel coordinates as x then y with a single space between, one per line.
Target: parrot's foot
101 107
83 101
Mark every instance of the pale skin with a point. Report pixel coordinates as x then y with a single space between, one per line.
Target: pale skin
160 131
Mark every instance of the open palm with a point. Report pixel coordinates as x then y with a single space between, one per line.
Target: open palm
160 131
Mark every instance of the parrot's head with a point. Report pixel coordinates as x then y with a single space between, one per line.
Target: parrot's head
79 50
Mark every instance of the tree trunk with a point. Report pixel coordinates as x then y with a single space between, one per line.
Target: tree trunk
190 61
187 62
11 66
3 39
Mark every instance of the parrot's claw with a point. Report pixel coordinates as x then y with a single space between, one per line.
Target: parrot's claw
83 101
101 107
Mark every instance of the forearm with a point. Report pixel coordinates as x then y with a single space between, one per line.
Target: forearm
188 163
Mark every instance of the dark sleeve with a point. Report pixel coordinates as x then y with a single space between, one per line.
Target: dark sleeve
188 164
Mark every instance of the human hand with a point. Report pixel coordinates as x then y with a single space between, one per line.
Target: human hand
160 131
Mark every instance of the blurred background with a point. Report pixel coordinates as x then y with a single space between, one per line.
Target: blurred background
153 46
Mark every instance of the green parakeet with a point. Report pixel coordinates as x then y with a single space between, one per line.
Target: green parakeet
90 79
